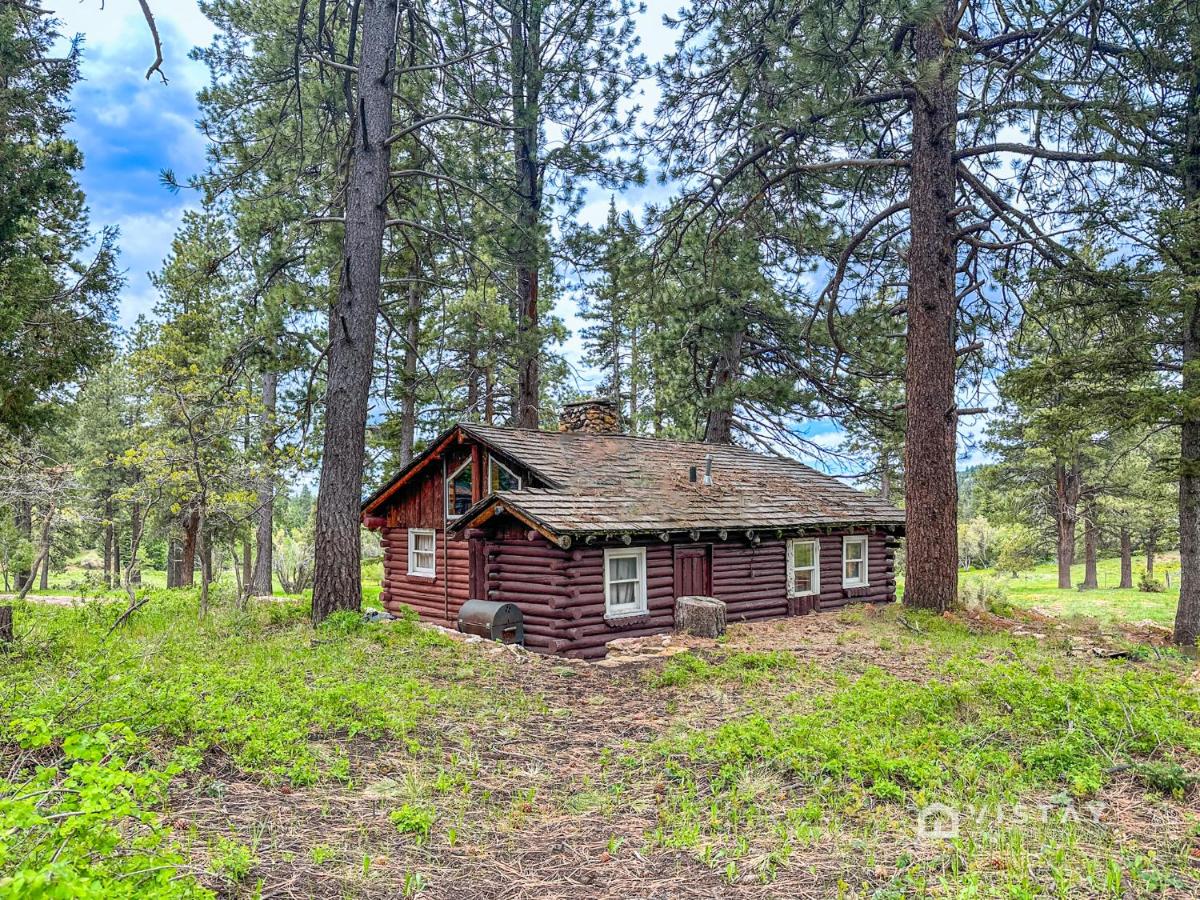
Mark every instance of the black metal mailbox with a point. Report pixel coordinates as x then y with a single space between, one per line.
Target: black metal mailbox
501 622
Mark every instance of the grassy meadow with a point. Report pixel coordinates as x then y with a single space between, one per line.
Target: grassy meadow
247 755
1038 589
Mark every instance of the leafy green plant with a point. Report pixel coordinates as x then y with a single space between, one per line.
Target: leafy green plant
414 820
88 818
233 859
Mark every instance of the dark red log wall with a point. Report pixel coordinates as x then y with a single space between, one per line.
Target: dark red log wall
750 579
421 505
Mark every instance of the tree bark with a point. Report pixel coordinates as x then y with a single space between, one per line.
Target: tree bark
260 583
24 523
6 624
187 555
718 429
885 477
337 580
174 551
1091 542
1152 551
1187 614
931 486
1126 559
526 89
44 584
1066 515
408 384
202 550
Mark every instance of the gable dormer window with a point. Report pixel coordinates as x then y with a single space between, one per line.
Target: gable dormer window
501 477
458 491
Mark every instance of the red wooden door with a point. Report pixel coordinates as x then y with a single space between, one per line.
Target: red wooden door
693 571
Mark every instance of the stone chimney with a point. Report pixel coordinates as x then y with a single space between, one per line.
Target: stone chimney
595 416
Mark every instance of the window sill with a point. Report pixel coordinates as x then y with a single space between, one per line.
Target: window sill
626 620
804 596
424 576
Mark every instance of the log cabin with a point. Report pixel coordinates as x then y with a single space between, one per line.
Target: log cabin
593 534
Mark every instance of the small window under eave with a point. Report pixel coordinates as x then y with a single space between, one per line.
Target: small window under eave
458 491
501 477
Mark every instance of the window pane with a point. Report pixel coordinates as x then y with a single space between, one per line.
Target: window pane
458 496
802 554
623 594
502 479
425 560
854 550
423 542
623 568
803 581
853 570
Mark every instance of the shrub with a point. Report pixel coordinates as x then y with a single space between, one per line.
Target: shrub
978 543
1020 549
985 595
1150 585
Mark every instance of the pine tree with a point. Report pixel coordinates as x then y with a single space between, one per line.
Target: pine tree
895 120
59 280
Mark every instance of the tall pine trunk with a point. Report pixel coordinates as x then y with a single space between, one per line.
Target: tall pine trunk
412 339
1091 543
1152 552
187 552
1066 514
930 485
718 429
1187 614
260 580
337 580
24 523
526 86
1126 558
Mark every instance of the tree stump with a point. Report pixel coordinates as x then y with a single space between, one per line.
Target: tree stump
6 624
700 616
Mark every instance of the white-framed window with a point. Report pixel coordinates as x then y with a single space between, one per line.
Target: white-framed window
854 562
804 568
501 477
458 491
422 552
624 582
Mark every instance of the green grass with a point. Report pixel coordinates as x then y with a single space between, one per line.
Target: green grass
1039 589
1001 723
95 727
754 762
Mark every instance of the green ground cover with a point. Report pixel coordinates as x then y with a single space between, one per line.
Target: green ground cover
247 754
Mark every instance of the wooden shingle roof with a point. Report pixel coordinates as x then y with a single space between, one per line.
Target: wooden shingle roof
601 483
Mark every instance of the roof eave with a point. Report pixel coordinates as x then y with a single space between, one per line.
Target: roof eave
418 462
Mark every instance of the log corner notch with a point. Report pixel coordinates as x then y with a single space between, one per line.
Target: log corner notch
6 623
700 616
